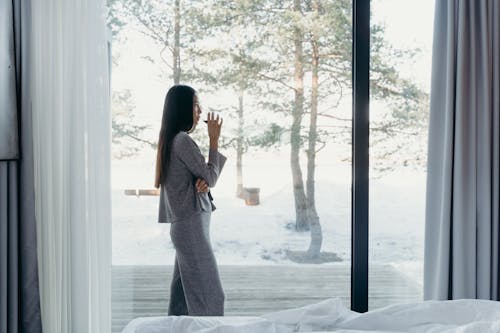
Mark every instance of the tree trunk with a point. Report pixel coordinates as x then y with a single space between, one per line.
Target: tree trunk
301 223
239 148
316 233
176 50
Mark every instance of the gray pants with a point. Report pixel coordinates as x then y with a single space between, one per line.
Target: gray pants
196 289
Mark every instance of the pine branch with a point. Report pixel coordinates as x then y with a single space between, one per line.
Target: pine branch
276 80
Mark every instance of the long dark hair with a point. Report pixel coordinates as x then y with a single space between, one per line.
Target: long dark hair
177 116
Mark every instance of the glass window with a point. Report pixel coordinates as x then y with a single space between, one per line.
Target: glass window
400 68
280 75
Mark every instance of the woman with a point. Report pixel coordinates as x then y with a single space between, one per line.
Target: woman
185 201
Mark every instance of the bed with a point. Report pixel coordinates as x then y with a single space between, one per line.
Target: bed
464 316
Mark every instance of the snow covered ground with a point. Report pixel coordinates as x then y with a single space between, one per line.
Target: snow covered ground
258 235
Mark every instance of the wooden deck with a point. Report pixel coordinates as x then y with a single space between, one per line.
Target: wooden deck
139 291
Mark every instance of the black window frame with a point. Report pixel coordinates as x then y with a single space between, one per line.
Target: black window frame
360 153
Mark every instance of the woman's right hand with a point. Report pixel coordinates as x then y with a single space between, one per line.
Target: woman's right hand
201 185
214 126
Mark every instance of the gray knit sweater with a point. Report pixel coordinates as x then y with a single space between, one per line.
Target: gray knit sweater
178 196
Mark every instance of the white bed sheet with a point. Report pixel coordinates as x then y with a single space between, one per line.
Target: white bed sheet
461 316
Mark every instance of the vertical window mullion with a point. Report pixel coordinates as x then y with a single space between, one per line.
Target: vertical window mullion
360 155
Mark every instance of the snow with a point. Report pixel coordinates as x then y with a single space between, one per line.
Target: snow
258 235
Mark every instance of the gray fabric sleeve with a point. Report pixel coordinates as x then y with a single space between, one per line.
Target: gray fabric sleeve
190 154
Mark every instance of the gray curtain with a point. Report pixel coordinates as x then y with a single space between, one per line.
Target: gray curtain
19 293
8 109
462 214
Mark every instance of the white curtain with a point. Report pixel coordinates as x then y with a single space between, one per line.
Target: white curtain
71 124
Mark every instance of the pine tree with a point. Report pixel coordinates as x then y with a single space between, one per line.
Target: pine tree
262 51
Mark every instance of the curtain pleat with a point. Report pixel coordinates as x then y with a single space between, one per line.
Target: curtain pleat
19 289
462 213
72 122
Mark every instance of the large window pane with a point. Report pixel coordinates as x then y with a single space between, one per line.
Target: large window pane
285 134
400 58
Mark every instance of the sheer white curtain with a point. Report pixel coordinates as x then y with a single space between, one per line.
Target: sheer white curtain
71 124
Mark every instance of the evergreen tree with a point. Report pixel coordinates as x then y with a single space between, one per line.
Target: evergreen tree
315 36
263 51
229 63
